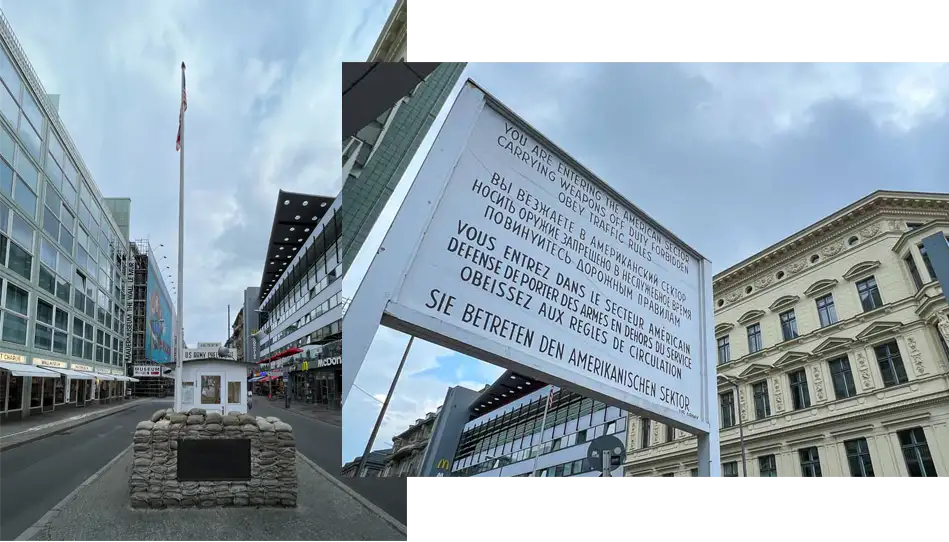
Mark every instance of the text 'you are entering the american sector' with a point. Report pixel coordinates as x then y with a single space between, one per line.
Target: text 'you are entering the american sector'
526 251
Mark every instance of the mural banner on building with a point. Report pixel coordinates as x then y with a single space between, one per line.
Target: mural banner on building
159 318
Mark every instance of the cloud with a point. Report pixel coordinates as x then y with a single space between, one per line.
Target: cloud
263 114
730 157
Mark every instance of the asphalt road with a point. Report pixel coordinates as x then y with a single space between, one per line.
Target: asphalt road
321 443
36 476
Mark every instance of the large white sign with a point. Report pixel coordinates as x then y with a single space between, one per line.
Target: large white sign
525 252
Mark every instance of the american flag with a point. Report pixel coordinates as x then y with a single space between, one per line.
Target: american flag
184 107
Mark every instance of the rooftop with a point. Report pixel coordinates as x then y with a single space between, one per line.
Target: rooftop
295 217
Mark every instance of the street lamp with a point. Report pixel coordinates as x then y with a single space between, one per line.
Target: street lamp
741 432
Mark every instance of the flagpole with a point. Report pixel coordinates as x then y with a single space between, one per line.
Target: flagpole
181 244
543 425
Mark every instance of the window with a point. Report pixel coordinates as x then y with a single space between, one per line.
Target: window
942 342
730 469
913 271
724 351
644 433
693 472
858 456
727 403
16 311
810 462
927 262
869 294
919 462
800 397
43 335
891 364
842 377
826 310
767 466
788 325
754 338
233 393
670 433
762 402
24 196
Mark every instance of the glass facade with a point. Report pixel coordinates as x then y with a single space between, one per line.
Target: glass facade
294 312
514 434
61 253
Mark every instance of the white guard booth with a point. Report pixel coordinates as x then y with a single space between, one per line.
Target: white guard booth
214 384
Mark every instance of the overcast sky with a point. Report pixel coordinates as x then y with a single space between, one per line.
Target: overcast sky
263 115
731 158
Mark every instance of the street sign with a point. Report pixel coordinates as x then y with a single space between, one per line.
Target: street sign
609 447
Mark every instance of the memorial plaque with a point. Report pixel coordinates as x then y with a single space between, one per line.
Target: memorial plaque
216 460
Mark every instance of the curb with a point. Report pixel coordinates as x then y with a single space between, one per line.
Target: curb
84 421
48 517
354 494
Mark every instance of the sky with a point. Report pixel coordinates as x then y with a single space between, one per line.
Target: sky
263 115
731 158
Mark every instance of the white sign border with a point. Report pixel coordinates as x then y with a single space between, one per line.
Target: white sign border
372 305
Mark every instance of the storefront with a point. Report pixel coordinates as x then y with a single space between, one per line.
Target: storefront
27 389
318 381
268 383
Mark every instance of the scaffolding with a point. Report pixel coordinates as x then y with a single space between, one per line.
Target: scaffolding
147 386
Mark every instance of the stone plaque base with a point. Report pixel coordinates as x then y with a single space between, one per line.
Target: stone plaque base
156 481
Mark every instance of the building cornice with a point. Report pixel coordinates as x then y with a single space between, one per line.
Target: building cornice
865 220
923 231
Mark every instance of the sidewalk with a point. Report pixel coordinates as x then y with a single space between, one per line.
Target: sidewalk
320 412
18 433
100 510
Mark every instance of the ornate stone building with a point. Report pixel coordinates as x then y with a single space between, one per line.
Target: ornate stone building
836 341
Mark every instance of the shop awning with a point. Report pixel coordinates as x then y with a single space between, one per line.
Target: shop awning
75 375
281 355
17 369
256 378
124 378
102 376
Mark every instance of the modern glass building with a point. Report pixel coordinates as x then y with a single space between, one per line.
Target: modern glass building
301 299
63 258
506 434
375 159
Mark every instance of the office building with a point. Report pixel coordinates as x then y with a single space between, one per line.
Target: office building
152 324
250 314
236 340
375 464
408 448
121 211
832 353
62 278
502 431
377 156
300 298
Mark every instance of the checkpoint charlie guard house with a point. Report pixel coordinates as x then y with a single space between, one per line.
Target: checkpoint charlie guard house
215 384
